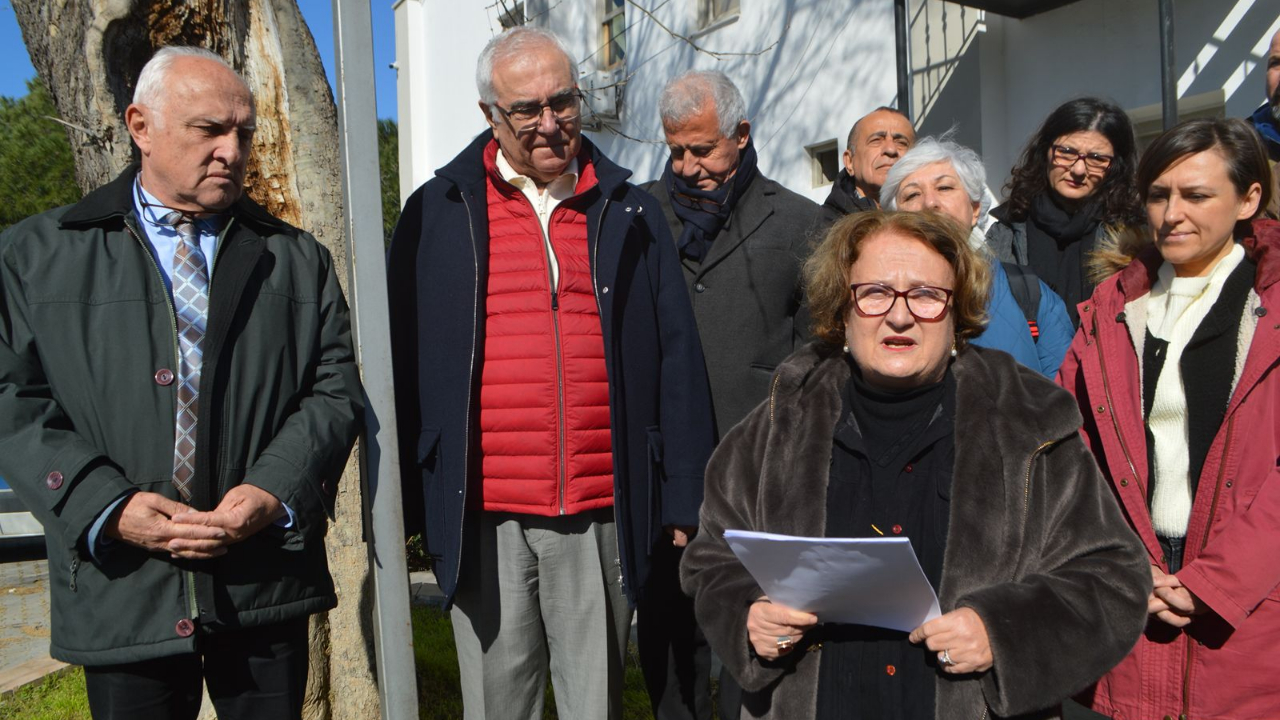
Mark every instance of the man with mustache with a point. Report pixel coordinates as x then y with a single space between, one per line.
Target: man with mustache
1266 120
552 399
178 397
743 240
876 141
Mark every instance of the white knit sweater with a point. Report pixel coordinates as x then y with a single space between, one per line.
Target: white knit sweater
1176 308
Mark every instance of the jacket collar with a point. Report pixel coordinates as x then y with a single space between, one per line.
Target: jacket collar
1262 247
1017 401
845 198
112 202
467 168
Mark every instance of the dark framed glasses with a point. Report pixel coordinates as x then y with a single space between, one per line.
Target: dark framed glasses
1066 156
565 106
924 302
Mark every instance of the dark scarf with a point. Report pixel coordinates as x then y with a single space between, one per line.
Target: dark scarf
704 212
1058 242
1264 121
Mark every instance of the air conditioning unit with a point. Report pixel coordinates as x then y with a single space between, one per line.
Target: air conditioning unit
603 90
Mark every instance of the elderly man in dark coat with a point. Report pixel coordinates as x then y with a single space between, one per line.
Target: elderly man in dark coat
743 239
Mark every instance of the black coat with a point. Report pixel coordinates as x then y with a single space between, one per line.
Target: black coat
1036 543
748 292
843 200
660 405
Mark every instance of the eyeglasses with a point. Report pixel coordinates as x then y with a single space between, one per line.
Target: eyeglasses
924 302
1066 156
526 116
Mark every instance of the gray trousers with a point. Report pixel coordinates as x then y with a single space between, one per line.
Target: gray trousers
537 594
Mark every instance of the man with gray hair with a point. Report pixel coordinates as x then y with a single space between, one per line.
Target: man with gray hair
179 432
743 240
552 402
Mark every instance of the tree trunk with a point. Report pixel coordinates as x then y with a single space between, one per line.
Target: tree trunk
89 54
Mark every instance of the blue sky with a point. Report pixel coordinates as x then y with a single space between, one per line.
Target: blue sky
17 69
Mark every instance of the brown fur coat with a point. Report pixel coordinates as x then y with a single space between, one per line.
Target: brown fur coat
1037 545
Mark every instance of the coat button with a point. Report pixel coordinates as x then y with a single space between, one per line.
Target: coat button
1260 311
890 670
1102 409
164 376
53 480
700 287
1124 482
897 529
908 468
604 290
184 628
1228 483
628 208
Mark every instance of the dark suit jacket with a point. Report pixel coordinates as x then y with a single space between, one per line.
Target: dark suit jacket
747 295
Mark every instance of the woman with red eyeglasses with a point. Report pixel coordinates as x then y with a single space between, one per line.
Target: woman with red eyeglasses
1073 183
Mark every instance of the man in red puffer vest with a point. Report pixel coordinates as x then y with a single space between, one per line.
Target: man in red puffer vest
553 406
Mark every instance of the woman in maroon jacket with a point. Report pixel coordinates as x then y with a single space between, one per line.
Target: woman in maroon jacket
1175 370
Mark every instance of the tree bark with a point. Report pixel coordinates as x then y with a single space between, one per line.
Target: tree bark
89 54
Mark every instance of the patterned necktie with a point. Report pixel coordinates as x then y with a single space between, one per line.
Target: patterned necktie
191 302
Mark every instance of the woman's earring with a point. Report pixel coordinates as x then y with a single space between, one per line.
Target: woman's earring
846 349
953 349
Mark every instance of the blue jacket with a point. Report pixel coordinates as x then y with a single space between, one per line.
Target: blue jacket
1007 327
660 403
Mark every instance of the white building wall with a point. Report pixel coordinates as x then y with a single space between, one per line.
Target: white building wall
834 61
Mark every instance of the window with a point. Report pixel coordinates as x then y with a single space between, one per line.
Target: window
825 160
511 13
613 35
713 11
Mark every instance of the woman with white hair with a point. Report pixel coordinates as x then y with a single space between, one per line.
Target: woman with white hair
1030 322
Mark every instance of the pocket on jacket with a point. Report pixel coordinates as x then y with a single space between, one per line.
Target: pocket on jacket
429 448
653 440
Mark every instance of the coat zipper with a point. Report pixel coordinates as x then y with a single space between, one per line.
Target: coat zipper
1026 488
471 373
192 607
1204 540
773 396
1106 391
220 489
595 292
561 433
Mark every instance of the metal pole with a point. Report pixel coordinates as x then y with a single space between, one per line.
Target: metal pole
901 23
1168 81
380 472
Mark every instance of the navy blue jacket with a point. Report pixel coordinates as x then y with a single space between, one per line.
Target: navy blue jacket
660 404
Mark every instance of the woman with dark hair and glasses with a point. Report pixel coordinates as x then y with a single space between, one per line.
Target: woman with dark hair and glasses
892 423
1176 368
1073 181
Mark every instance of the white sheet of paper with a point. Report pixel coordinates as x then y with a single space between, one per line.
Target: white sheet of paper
868 581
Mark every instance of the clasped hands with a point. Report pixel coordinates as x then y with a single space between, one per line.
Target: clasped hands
1170 602
961 633
155 523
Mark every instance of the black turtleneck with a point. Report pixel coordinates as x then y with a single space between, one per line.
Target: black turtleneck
891 467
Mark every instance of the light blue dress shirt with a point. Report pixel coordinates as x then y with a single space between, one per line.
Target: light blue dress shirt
164 240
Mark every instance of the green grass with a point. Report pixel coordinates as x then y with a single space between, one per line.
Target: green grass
62 697
57 697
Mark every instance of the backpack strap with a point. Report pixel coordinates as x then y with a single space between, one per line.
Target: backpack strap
1025 287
